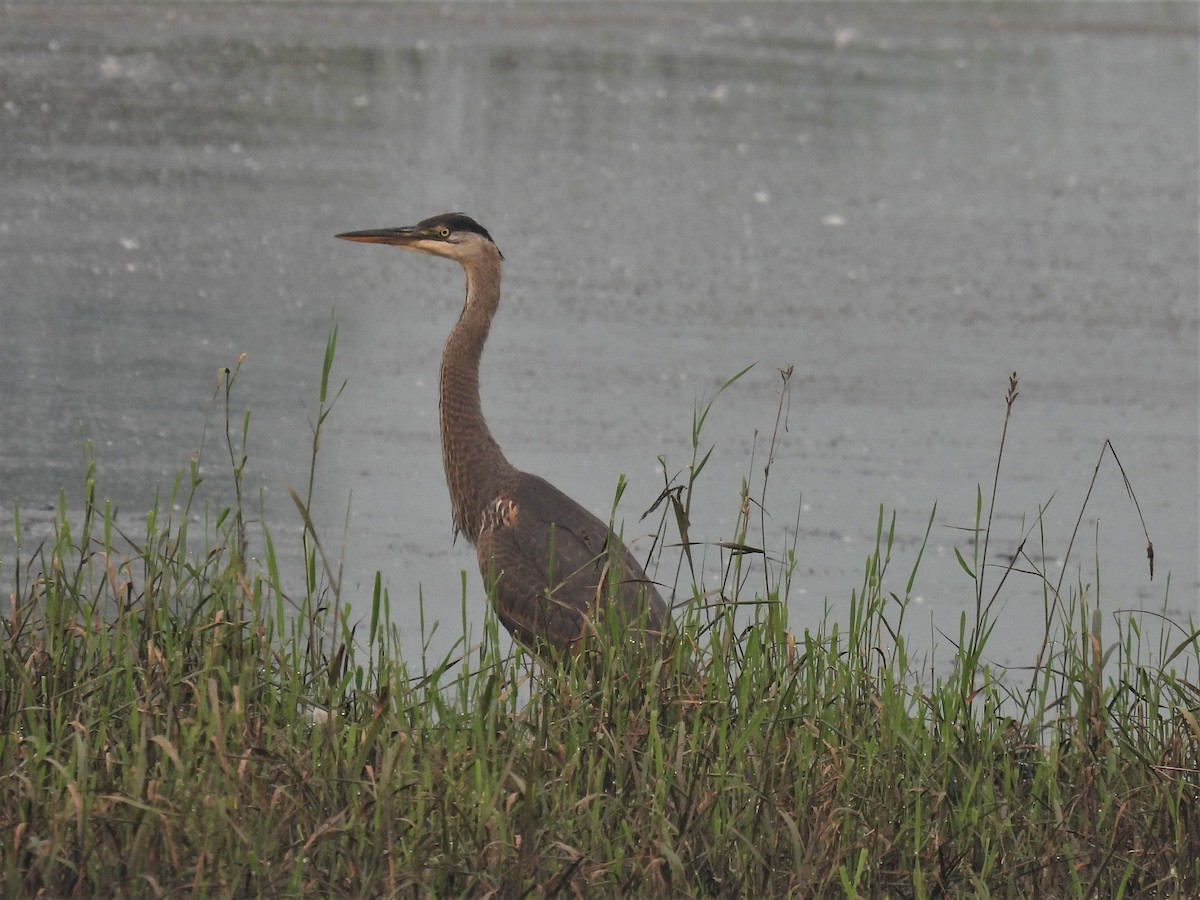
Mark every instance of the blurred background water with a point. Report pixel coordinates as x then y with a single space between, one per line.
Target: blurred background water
905 202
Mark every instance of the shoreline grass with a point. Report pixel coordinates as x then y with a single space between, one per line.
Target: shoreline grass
173 723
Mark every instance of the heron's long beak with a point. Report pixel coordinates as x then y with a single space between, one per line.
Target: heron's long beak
397 237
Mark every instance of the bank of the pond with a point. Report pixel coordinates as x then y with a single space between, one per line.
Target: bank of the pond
171 723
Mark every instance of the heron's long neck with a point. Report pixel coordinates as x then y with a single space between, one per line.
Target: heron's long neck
475 465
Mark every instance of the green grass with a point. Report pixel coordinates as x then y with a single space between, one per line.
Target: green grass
172 722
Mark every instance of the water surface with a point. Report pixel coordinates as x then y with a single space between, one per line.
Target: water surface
905 203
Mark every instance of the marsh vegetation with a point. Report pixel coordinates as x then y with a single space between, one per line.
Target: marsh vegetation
175 721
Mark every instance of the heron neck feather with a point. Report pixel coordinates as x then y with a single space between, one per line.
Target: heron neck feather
475 466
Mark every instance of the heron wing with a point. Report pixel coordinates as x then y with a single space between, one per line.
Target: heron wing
549 564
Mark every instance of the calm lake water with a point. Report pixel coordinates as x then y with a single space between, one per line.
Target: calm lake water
904 202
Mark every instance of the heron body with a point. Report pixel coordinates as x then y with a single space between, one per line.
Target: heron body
552 569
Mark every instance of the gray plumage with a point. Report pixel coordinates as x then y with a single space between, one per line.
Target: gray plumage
549 565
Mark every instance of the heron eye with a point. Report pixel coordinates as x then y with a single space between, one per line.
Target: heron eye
444 232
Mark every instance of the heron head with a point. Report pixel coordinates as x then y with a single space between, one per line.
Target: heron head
452 235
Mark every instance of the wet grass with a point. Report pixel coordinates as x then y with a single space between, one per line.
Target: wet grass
173 722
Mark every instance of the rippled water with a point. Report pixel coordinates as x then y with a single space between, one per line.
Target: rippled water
905 202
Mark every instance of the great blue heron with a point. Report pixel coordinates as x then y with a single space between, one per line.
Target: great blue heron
552 569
